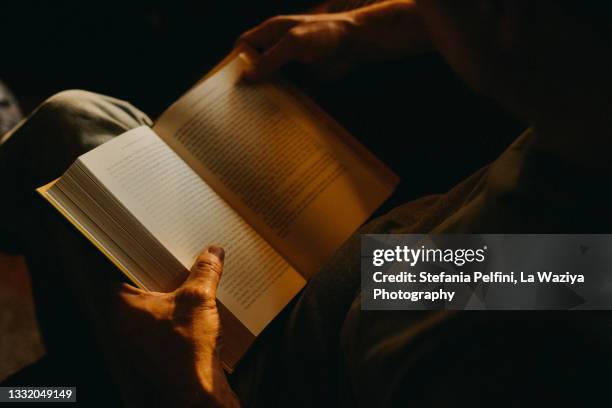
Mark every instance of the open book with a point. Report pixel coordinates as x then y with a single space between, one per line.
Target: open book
258 169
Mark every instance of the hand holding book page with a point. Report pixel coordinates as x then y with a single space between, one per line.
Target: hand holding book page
282 164
183 214
257 169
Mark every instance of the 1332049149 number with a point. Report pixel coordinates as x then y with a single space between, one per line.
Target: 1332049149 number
67 394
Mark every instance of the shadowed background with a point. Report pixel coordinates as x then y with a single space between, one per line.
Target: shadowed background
414 114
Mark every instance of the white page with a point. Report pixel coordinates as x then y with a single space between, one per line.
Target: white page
283 170
185 215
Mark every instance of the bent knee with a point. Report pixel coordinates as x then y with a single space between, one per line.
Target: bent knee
77 121
80 108
72 95
71 103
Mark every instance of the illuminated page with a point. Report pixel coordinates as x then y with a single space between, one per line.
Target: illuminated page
286 171
185 215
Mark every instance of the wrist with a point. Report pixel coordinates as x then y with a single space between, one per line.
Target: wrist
389 29
214 385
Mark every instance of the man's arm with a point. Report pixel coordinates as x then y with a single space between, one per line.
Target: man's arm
333 42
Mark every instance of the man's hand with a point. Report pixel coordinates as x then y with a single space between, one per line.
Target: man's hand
333 43
172 340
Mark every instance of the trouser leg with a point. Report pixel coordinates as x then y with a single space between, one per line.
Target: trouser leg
71 281
38 151
42 147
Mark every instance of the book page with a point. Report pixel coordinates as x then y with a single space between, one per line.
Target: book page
286 171
185 215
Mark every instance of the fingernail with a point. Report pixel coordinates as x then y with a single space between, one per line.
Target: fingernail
217 251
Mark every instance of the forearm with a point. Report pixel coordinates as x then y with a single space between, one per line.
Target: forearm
391 29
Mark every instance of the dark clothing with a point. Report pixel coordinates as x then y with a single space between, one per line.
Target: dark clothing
327 350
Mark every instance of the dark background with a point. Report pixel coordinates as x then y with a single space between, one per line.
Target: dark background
148 52
414 114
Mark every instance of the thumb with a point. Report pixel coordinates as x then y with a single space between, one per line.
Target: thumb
207 270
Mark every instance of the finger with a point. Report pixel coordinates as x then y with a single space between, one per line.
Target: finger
207 270
126 288
269 32
130 299
285 51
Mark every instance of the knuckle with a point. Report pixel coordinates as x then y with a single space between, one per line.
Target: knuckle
276 19
207 294
207 265
203 264
188 301
283 18
295 36
191 294
247 35
295 33
194 295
